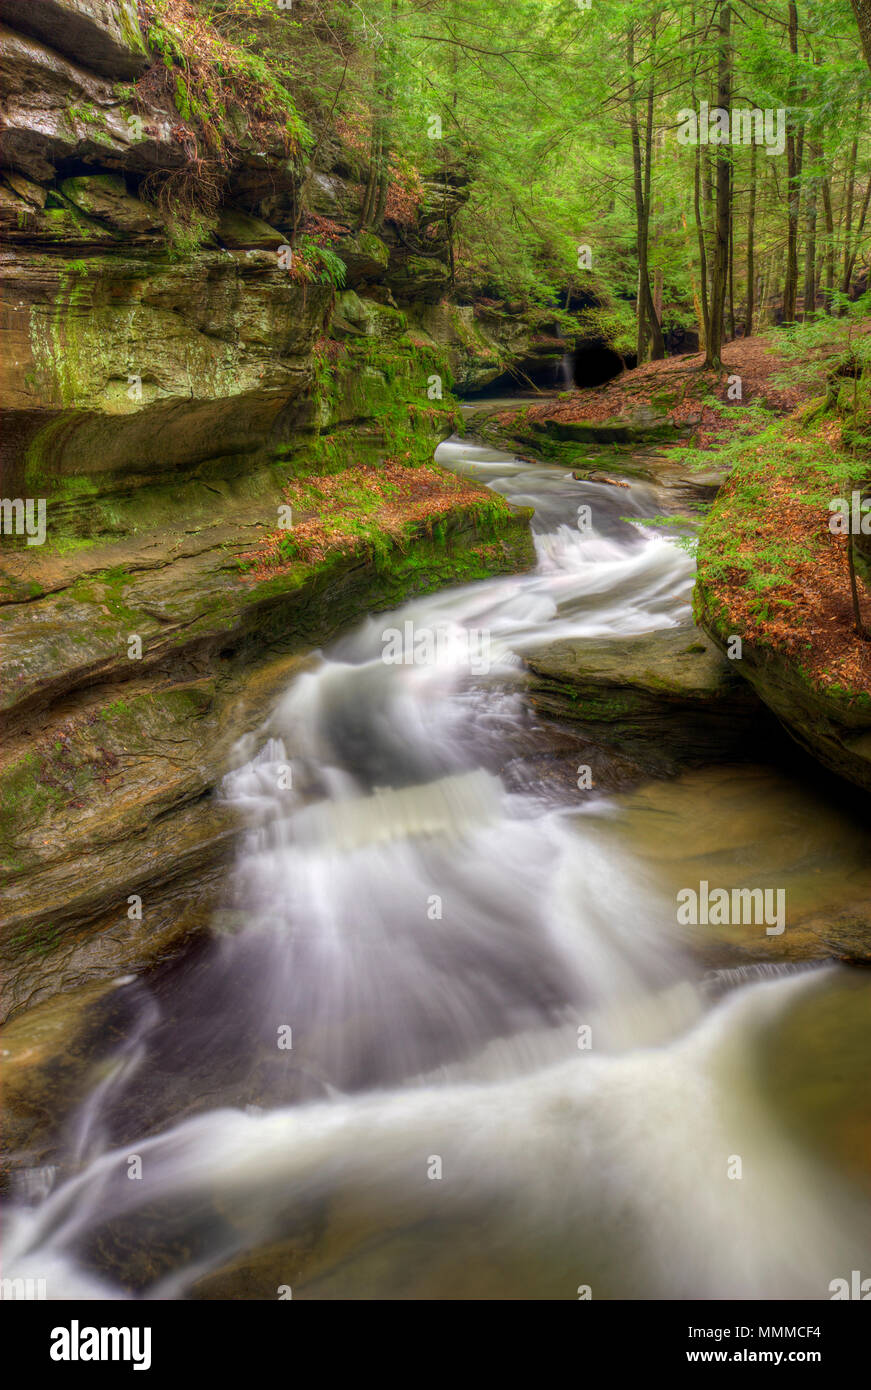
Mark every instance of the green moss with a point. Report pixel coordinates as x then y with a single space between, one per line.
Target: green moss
105 590
182 99
453 553
126 15
36 941
68 545
113 711
75 487
25 797
382 382
63 346
188 702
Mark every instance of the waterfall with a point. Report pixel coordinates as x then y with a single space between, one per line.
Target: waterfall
451 1044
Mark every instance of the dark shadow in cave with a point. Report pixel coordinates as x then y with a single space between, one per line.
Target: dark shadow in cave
593 364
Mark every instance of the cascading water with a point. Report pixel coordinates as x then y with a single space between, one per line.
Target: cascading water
377 1084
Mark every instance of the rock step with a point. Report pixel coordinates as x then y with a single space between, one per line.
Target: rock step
667 699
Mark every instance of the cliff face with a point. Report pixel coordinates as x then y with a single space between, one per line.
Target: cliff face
159 393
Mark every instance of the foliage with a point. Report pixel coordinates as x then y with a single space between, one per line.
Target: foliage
320 263
503 149
220 95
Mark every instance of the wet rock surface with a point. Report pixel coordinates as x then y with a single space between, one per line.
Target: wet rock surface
832 725
667 699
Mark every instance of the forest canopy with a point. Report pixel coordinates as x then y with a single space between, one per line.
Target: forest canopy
689 167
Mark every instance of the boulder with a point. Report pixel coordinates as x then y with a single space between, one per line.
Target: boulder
666 699
56 110
365 256
53 222
105 198
102 35
241 232
417 278
617 431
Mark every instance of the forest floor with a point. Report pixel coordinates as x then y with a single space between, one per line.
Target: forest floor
365 507
770 561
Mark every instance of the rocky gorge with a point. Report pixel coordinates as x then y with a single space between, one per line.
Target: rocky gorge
257 391
144 384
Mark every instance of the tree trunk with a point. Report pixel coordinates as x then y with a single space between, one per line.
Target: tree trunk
751 248
720 271
830 243
852 248
849 193
378 183
648 323
731 253
765 292
862 10
703 255
653 317
861 629
372 181
697 299
810 241
640 219
794 154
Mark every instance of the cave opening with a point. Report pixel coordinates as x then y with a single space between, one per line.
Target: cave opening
593 364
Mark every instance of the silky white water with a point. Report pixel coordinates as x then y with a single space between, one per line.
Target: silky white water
470 1055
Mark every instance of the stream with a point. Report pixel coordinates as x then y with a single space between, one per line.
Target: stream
447 1040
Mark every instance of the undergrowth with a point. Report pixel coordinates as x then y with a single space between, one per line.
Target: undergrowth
219 97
